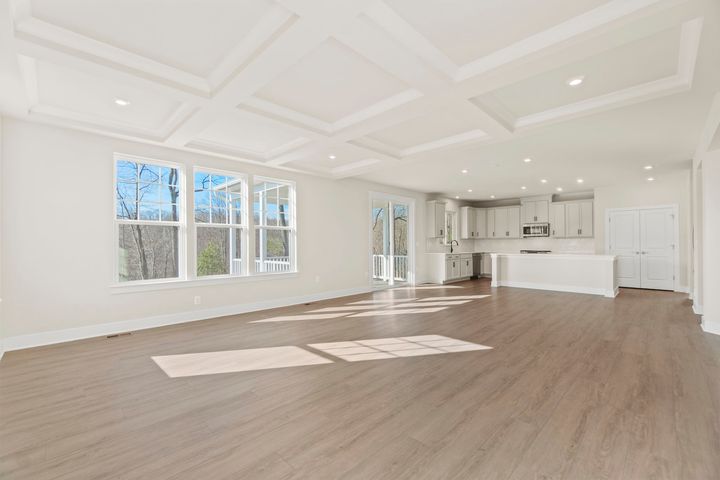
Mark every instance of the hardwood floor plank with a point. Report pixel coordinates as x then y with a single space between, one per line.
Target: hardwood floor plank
574 387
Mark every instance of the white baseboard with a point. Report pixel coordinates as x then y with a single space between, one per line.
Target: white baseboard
709 326
67 335
697 309
683 289
559 288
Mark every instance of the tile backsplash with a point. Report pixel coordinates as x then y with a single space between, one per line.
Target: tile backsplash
556 245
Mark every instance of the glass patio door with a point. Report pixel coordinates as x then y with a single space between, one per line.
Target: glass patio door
390 224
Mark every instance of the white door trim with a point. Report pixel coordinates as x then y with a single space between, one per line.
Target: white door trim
676 240
372 195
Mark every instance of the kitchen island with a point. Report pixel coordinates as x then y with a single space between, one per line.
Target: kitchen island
579 273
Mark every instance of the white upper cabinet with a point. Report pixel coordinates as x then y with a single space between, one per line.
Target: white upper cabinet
503 222
468 223
579 219
481 223
435 219
557 220
535 211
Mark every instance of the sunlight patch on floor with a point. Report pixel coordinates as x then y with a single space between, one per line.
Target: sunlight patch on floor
428 287
446 303
396 347
382 301
398 311
210 363
454 297
295 318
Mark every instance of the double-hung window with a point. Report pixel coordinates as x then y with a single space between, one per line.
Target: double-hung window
220 223
149 219
274 219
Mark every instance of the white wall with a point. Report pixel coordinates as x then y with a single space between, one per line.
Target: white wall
58 234
668 189
2 324
711 239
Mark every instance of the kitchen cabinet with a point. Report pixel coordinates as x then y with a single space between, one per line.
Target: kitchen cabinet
557 220
435 219
503 222
579 219
447 267
535 211
480 223
468 223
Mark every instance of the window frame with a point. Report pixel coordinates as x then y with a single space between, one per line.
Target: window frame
292 228
244 226
181 223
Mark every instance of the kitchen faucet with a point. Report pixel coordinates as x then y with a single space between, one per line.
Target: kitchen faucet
451 245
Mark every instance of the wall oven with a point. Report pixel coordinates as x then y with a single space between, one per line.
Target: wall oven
536 230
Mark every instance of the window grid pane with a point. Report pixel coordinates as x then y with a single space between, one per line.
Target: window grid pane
274 227
218 198
146 192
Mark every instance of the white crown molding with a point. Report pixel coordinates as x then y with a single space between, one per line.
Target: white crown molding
454 140
264 156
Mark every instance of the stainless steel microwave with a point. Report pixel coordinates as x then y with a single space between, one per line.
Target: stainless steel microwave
536 230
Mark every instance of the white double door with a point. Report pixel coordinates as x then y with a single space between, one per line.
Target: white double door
644 242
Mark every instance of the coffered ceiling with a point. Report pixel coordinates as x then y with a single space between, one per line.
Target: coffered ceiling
344 88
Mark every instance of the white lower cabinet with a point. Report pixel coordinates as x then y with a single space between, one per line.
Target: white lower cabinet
445 267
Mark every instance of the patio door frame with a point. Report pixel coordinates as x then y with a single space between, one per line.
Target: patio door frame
392 200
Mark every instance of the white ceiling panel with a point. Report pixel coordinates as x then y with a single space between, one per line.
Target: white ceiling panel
422 130
250 133
466 30
610 71
191 35
75 91
330 83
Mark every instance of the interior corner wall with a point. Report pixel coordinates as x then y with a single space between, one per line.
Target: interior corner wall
58 240
672 188
711 239
2 325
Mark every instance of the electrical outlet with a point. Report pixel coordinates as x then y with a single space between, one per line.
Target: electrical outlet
197 300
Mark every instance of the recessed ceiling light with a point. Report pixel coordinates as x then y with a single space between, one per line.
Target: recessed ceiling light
559 189
464 170
523 187
332 157
469 190
580 180
527 160
121 102
492 196
575 81
650 179
648 167
457 197
543 180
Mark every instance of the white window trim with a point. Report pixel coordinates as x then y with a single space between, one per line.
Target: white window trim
292 251
244 227
181 223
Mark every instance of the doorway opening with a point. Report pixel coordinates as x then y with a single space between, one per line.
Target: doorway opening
392 229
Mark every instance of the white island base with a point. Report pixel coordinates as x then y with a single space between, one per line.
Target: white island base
592 274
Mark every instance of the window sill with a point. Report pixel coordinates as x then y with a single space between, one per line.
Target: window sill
119 288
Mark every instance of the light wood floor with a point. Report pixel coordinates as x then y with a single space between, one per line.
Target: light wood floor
576 387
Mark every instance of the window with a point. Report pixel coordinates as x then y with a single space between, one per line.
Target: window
274 217
148 218
449 227
220 223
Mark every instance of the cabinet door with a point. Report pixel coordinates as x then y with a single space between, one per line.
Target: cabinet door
491 223
439 219
466 267
467 223
572 220
480 223
448 269
501 223
455 268
513 222
528 212
586 219
557 220
542 214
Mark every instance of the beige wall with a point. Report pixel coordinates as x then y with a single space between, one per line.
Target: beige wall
59 243
668 189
